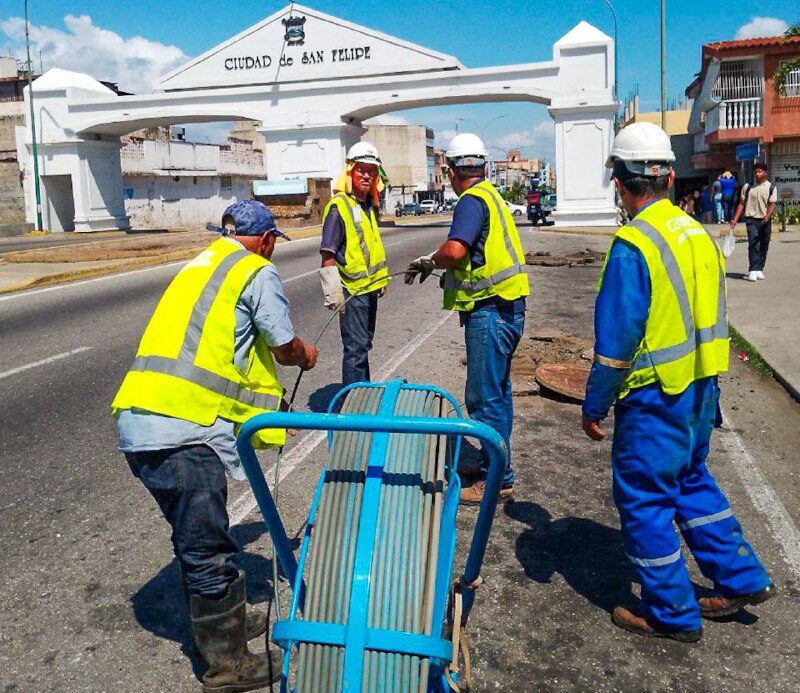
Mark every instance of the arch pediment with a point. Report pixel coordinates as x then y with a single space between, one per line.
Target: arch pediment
301 44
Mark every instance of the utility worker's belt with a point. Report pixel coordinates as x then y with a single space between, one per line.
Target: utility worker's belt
364 268
184 367
686 334
503 274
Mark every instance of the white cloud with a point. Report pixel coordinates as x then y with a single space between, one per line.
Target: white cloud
539 137
442 137
387 119
134 63
759 27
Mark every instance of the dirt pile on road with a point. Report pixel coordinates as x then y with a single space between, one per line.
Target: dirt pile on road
581 257
545 346
124 249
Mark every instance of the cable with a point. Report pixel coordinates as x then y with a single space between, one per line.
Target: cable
290 406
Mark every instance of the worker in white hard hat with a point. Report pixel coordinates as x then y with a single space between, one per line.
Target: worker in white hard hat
661 339
353 257
485 281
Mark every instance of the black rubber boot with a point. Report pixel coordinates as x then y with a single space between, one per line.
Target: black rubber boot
218 627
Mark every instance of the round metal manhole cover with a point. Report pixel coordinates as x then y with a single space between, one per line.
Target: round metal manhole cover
568 379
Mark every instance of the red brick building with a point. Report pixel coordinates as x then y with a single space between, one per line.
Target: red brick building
738 116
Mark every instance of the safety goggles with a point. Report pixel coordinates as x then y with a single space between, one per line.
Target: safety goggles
232 232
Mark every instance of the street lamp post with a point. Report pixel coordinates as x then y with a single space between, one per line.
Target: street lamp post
664 65
489 122
616 69
34 147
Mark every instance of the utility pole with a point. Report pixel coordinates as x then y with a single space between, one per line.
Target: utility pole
664 65
33 126
616 69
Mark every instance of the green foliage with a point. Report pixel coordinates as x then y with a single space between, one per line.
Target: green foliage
515 194
782 75
793 30
741 345
790 212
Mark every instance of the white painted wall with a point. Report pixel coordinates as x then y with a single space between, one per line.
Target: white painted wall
158 202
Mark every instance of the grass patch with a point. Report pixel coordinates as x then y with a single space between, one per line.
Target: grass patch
741 345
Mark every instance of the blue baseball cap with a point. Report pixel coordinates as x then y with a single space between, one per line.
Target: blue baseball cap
252 218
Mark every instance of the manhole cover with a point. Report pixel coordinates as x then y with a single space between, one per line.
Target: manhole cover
566 379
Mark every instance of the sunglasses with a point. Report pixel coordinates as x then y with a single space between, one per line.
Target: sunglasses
232 232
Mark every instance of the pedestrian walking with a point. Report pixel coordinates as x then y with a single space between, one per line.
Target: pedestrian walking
728 189
353 258
757 202
716 196
661 339
486 283
205 365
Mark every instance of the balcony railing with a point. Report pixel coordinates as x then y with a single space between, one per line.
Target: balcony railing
741 113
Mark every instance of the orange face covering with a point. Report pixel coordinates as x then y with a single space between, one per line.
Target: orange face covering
344 184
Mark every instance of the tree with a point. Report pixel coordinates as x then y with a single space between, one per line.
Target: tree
781 78
515 193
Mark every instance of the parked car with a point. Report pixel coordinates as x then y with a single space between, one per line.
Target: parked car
516 210
429 206
450 205
409 209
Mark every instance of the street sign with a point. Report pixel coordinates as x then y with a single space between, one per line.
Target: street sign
747 151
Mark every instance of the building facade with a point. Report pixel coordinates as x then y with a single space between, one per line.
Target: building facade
739 116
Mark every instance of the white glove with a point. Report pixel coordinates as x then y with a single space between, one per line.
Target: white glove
422 266
331 287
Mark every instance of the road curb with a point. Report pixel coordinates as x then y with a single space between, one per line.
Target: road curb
781 379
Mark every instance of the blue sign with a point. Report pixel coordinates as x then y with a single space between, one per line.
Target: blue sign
747 151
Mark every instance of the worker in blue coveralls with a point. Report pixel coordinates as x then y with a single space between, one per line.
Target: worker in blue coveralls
661 339
485 281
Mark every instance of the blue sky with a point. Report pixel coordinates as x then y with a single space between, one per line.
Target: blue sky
478 33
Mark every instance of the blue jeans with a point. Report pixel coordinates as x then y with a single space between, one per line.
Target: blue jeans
658 459
720 212
758 236
729 206
357 326
189 485
491 337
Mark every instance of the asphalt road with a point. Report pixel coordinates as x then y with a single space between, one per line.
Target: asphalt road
56 240
90 594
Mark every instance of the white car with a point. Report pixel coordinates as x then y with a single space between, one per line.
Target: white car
429 206
517 210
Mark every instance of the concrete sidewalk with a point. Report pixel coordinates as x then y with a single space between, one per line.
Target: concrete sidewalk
765 313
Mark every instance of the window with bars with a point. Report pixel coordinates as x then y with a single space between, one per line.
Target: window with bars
739 79
792 84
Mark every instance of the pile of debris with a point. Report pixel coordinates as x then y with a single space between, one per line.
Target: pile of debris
581 257
552 348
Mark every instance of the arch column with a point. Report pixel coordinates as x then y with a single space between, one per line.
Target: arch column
316 151
584 135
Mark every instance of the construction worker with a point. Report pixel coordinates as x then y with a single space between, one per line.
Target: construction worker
661 339
353 258
203 367
486 283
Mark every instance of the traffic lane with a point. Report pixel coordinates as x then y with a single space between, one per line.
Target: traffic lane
88 542
35 325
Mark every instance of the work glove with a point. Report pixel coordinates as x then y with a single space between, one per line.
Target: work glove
422 266
332 288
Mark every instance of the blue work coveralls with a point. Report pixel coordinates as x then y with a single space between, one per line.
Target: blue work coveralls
658 460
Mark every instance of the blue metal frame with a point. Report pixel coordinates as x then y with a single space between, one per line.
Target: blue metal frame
355 636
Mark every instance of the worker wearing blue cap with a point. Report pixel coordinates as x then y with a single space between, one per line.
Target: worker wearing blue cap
205 365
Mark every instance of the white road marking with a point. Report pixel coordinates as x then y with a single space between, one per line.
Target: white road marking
764 498
246 503
43 362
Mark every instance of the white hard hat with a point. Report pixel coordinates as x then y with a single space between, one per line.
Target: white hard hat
642 146
466 149
365 153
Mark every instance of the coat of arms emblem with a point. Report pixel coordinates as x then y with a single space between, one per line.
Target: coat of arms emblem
295 34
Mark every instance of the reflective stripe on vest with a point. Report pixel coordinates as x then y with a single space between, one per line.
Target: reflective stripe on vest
186 370
452 282
694 337
362 244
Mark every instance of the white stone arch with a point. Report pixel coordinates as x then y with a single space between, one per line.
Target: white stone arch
311 97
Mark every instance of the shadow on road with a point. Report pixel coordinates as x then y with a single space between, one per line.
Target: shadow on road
587 554
319 400
160 606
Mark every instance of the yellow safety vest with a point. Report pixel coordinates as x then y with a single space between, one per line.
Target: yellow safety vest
503 274
365 258
686 334
184 367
